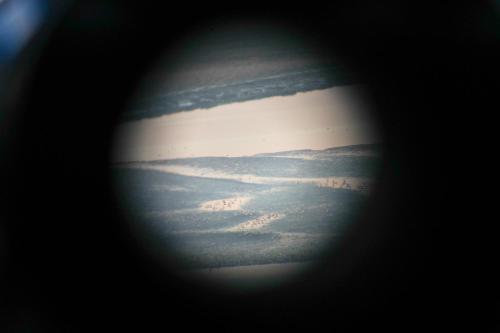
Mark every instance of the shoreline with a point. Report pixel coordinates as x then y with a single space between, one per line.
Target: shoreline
247 275
316 120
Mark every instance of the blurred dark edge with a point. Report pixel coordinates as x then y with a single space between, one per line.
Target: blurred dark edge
68 264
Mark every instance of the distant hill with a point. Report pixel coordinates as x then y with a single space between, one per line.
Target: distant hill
353 149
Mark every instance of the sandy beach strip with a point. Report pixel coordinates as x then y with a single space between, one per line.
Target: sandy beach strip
257 223
227 204
248 276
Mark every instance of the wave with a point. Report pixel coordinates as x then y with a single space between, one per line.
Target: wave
212 95
360 184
